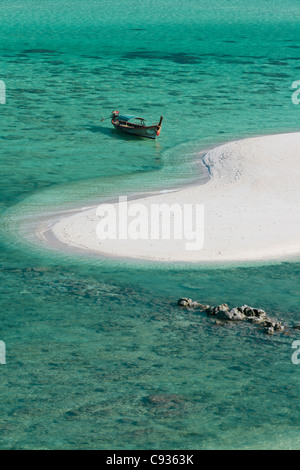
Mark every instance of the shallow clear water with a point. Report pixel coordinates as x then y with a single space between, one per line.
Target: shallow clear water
89 341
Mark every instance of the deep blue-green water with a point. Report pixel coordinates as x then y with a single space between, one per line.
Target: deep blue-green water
98 354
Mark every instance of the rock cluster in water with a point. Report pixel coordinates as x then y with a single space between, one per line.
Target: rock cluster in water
245 313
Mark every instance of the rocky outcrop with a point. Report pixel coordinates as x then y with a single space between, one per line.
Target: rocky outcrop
223 312
185 302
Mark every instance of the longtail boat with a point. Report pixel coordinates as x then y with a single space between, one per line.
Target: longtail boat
135 125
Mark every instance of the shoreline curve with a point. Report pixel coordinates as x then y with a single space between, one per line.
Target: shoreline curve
251 209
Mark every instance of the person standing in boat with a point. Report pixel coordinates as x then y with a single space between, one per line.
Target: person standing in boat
115 115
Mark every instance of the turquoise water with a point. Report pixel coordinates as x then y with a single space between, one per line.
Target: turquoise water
98 354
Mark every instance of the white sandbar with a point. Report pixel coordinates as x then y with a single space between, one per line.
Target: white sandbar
251 203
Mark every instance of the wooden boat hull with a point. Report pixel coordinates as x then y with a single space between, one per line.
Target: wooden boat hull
150 132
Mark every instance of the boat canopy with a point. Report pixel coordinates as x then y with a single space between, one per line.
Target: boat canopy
127 117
